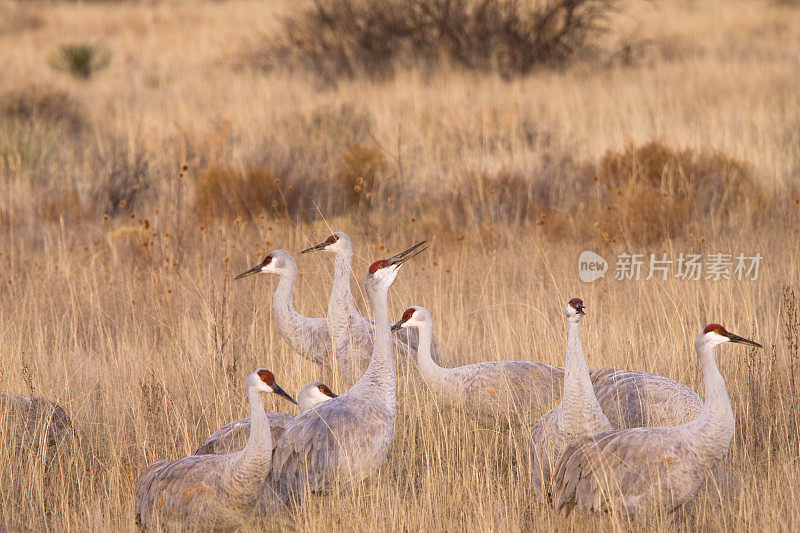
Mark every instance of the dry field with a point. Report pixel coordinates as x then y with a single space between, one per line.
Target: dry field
116 264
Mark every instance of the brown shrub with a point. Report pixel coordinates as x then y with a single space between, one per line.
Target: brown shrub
359 170
16 17
123 181
225 192
650 192
60 203
768 397
640 194
337 38
40 104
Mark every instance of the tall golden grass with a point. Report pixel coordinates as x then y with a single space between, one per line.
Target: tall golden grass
116 267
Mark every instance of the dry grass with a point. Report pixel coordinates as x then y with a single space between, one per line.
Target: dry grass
127 314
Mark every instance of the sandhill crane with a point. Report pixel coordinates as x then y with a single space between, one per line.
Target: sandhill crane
233 436
350 347
29 422
489 389
493 389
639 470
352 333
212 492
307 336
346 439
579 412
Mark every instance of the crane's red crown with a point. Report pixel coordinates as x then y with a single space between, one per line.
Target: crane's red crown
716 328
266 376
332 239
408 313
575 302
325 390
267 260
377 265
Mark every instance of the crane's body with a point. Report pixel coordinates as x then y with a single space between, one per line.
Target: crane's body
497 389
233 436
351 333
346 439
307 336
637 471
579 412
211 492
30 421
342 341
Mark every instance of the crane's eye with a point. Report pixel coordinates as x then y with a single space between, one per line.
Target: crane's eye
408 314
332 239
267 260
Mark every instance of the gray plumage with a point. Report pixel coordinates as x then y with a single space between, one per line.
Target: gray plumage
346 439
352 334
233 436
210 492
492 389
309 337
31 422
579 412
635 399
341 341
495 389
637 471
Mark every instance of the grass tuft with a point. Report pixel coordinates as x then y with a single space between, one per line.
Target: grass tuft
80 60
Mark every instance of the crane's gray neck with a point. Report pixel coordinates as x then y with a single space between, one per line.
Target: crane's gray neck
341 306
251 466
380 373
259 444
287 319
716 423
578 404
427 366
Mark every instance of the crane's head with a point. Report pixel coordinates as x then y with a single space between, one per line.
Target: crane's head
381 273
714 335
413 317
276 262
262 380
313 393
575 310
337 242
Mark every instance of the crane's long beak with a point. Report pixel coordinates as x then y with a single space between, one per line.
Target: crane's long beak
320 246
402 257
742 340
280 392
255 270
397 325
